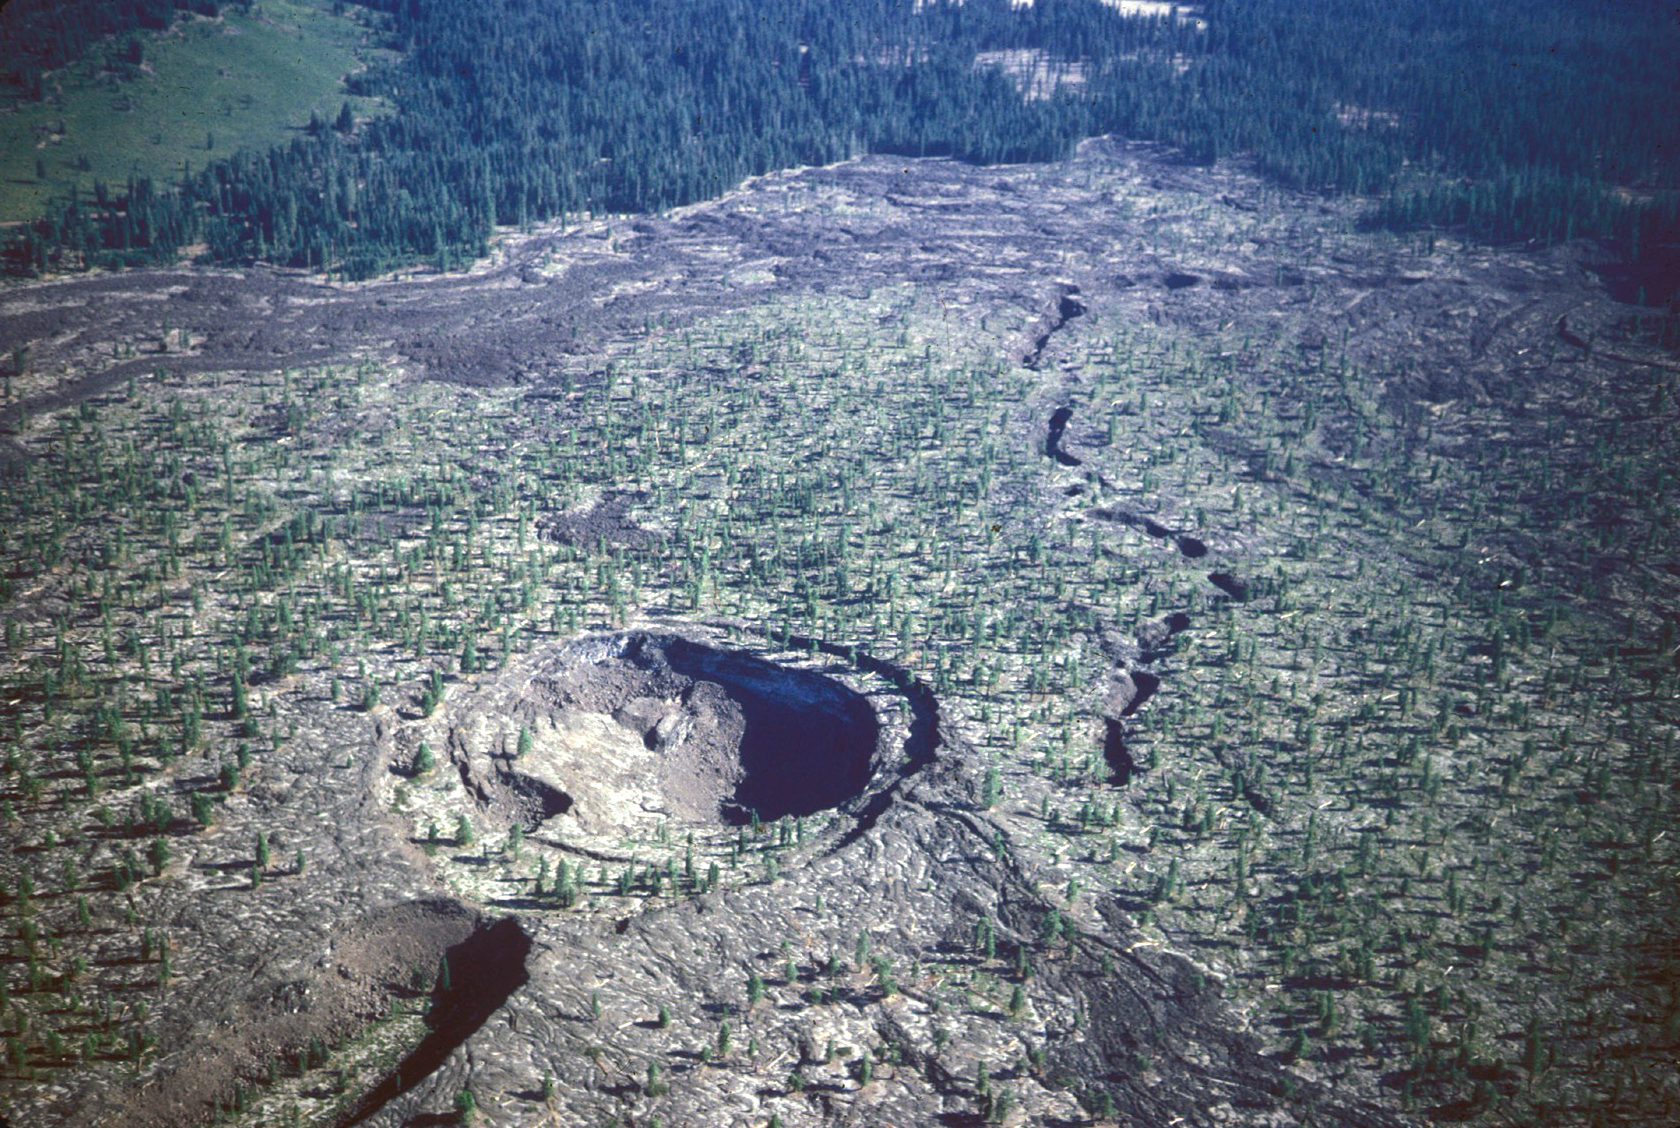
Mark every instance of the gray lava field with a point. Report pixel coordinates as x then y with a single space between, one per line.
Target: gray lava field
906 643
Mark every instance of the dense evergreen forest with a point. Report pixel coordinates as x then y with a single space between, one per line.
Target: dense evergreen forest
38 36
1506 120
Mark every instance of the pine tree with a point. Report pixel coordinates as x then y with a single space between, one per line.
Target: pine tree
159 855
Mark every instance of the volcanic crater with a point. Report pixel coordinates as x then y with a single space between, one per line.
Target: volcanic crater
606 735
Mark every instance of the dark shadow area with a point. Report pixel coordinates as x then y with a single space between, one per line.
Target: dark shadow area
923 741
1569 337
536 801
729 736
806 742
1053 440
1031 359
1191 547
1120 762
483 971
1251 793
1067 309
1651 279
1154 636
1230 585
1178 280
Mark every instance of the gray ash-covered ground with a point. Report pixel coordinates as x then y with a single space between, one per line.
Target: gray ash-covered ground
927 886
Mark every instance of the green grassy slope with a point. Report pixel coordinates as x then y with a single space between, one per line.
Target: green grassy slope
204 89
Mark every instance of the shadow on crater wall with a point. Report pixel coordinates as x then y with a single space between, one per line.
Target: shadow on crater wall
806 740
483 971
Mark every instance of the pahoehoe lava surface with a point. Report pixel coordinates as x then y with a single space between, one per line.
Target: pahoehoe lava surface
653 727
508 321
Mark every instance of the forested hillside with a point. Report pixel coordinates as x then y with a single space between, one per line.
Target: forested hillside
37 36
1542 119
